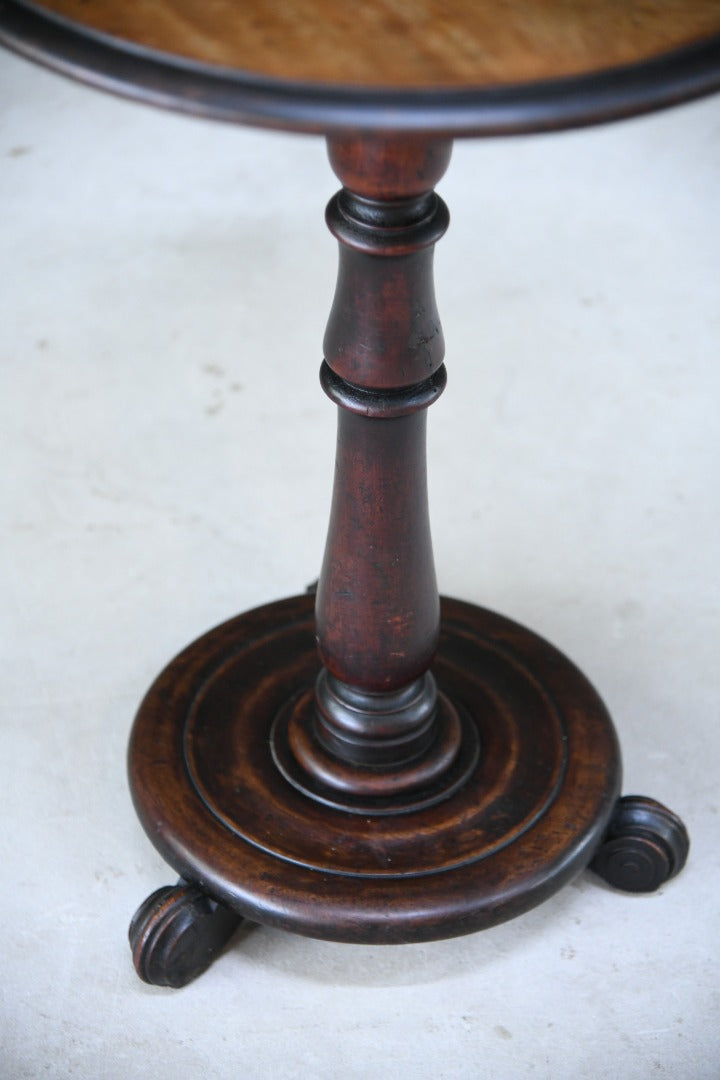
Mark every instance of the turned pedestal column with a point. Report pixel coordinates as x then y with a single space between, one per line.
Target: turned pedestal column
377 737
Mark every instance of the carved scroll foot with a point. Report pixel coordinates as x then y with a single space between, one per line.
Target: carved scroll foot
645 845
176 934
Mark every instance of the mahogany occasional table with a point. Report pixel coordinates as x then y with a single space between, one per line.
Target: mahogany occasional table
376 764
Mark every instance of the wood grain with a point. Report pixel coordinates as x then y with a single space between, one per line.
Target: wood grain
529 818
404 43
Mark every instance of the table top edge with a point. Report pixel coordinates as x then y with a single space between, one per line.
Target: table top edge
187 86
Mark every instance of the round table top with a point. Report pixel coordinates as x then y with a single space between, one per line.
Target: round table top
465 67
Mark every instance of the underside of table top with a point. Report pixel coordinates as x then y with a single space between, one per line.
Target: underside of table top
460 67
411 43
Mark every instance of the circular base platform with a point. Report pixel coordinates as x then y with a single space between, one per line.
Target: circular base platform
529 814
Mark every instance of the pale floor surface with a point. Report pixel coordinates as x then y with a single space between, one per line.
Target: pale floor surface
167 459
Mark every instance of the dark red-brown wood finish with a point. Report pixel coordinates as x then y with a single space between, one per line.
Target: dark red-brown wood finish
391 769
614 79
375 764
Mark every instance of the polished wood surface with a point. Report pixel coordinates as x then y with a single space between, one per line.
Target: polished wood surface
378 766
372 765
406 66
405 43
529 817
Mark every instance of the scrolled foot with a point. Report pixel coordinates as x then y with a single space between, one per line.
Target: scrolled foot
176 934
645 845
